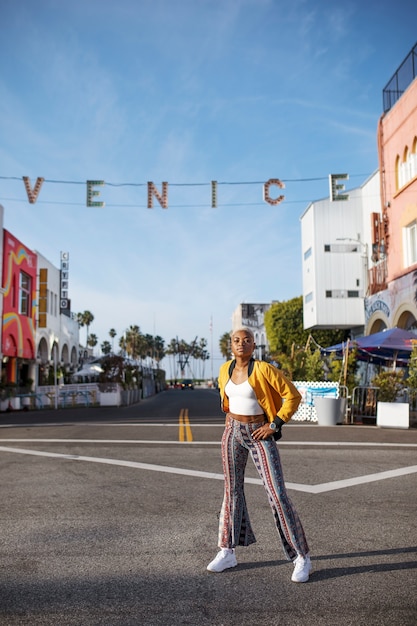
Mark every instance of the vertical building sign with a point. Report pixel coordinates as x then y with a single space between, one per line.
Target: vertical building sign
43 297
64 301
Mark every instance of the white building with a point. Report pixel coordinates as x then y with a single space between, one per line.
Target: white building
336 249
57 333
252 316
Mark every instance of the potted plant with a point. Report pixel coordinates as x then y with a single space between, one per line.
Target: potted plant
391 413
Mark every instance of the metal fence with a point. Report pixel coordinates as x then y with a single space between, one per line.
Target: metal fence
402 78
363 405
67 396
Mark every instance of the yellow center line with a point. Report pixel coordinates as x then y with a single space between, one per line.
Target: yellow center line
185 433
181 426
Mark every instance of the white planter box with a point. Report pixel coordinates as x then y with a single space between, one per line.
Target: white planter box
15 404
112 398
393 415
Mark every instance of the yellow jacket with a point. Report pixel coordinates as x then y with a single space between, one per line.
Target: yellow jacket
271 388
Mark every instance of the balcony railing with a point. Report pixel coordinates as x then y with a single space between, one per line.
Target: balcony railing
378 277
402 78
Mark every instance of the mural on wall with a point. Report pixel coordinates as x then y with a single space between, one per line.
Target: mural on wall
399 299
19 300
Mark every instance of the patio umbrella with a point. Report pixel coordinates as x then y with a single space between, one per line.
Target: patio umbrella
90 369
392 344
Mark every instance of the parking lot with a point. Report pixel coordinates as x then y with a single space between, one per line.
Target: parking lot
109 518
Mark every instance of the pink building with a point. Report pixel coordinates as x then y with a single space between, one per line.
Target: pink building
392 297
18 335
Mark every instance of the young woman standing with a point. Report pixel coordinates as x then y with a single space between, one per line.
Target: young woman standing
257 399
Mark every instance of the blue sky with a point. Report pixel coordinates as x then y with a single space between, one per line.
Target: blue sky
186 91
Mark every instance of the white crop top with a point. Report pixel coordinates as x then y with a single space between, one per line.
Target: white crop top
242 399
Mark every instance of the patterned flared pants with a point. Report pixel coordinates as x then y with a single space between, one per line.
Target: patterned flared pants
235 527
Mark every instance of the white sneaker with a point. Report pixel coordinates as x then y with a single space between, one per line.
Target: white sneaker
223 560
302 569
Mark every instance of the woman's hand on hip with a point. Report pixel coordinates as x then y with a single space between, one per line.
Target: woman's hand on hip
263 432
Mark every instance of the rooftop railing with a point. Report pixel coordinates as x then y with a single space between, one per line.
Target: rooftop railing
402 78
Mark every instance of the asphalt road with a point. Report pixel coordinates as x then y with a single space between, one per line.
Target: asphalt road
109 517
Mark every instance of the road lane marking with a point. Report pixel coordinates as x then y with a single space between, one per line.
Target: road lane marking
133 464
362 480
312 489
325 444
185 433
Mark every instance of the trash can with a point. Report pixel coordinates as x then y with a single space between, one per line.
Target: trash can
330 411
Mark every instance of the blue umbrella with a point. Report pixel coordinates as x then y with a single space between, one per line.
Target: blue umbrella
393 344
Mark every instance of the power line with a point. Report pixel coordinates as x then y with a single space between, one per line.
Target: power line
206 184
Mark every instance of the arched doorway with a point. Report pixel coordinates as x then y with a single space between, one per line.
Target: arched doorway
407 321
377 326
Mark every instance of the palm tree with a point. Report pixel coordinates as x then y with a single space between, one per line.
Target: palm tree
85 319
159 348
92 341
112 334
224 345
122 345
172 351
106 347
133 341
147 347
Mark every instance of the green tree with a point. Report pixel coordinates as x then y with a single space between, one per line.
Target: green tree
390 383
225 346
284 326
112 334
106 347
113 369
285 332
313 365
411 381
147 346
122 344
293 365
92 340
85 319
172 347
133 341
159 348
345 371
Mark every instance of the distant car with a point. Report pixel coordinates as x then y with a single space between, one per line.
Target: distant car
187 383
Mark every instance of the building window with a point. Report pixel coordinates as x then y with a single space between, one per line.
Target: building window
406 168
308 297
25 288
410 244
307 254
413 159
342 293
327 247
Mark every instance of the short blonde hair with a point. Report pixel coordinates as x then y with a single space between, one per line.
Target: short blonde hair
248 331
